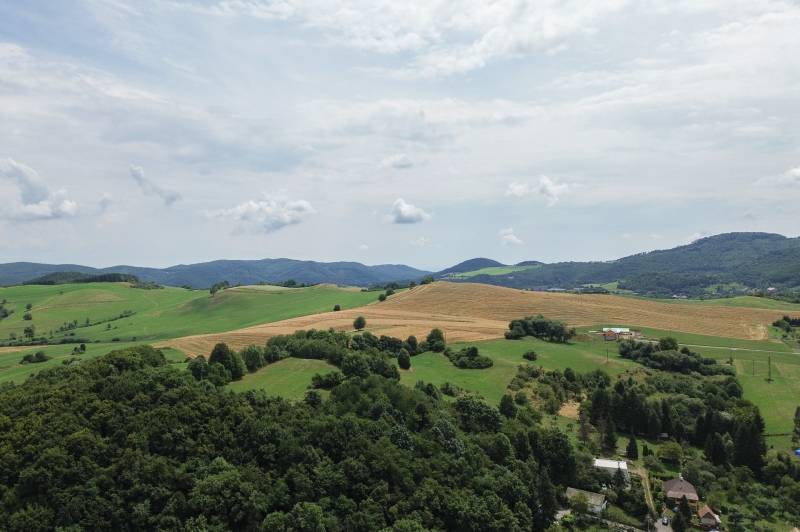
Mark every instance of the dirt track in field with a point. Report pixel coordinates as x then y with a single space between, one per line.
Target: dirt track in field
470 312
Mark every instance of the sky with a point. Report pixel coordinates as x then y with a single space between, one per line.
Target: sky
420 132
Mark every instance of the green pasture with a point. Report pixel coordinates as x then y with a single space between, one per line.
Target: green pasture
158 314
163 313
287 378
491 383
11 370
492 270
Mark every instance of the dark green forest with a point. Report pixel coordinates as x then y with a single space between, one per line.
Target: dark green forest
714 266
129 442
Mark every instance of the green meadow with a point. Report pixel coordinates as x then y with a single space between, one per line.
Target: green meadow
492 270
287 378
157 315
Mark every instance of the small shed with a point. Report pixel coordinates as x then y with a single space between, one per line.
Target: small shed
708 519
597 501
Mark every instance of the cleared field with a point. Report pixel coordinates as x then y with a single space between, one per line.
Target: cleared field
287 378
157 314
163 313
472 312
738 301
12 371
492 270
507 356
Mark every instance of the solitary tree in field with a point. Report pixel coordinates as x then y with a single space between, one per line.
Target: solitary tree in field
632 451
337 307
404 359
359 323
29 331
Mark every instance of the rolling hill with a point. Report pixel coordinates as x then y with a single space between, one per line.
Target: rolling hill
721 265
718 265
244 272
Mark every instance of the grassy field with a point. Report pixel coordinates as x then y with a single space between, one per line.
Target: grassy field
287 378
738 301
158 314
12 371
163 313
492 270
507 356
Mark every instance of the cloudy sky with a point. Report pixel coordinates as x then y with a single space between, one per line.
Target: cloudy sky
423 132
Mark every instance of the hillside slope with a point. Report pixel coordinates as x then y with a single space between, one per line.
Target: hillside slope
750 260
244 272
470 312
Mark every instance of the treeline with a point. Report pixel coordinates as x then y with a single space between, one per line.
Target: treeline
666 356
357 354
786 324
141 445
539 327
77 277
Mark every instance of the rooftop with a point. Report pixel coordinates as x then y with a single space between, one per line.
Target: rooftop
678 488
606 463
594 499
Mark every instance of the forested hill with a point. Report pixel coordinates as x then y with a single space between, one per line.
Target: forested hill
205 274
714 265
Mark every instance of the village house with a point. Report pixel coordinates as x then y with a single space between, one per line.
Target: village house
678 488
708 519
596 501
612 466
611 334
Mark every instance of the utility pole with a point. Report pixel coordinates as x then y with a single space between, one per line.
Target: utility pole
754 367
769 371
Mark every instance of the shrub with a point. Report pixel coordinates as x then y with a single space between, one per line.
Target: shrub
337 307
530 355
404 359
328 380
35 358
435 341
469 358
539 327
359 323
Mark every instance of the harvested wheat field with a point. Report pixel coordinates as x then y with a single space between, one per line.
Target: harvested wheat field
471 312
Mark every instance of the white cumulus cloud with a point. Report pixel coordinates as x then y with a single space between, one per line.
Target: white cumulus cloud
507 237
790 177
36 200
548 188
269 214
399 161
149 188
406 213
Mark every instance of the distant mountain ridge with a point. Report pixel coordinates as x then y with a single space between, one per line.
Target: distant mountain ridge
717 265
205 274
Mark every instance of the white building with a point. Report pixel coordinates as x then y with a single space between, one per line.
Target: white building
611 467
596 502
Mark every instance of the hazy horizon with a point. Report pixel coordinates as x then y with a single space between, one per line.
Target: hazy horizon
421 133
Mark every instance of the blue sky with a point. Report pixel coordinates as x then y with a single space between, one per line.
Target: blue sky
157 133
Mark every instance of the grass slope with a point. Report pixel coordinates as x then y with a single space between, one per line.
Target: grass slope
159 314
164 313
492 270
507 356
287 378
